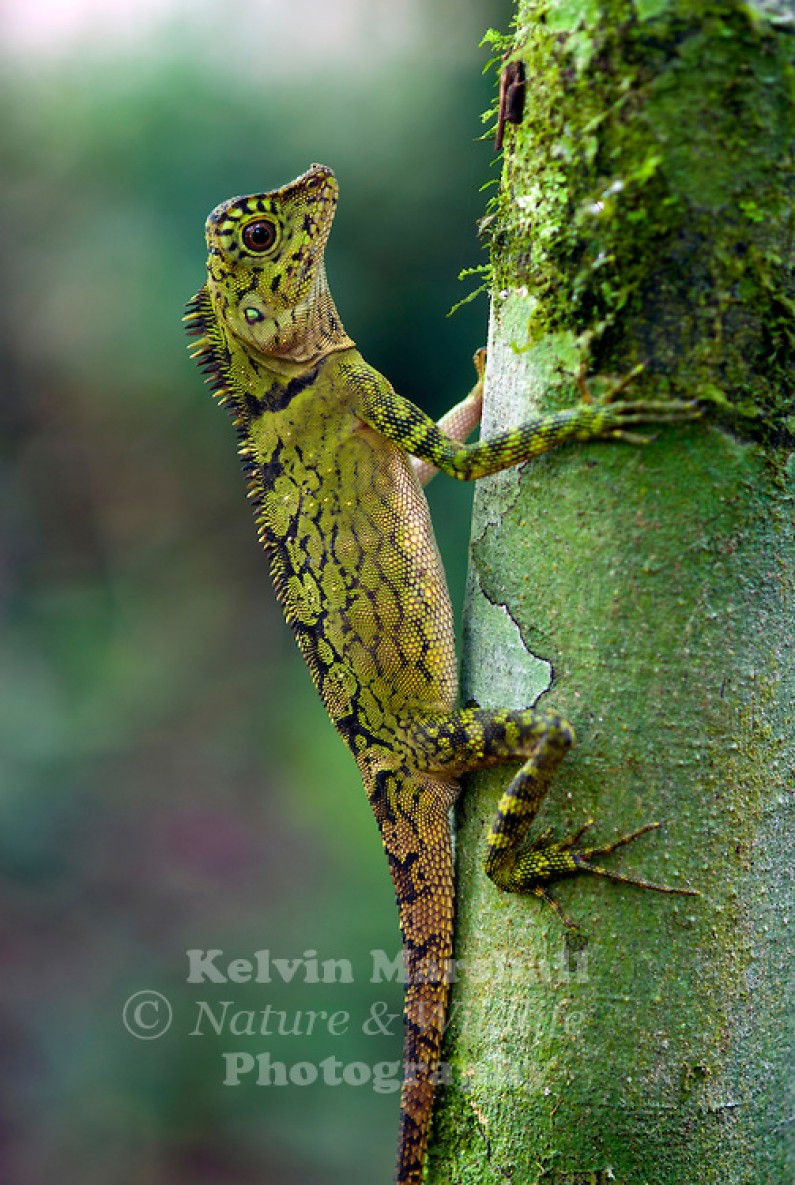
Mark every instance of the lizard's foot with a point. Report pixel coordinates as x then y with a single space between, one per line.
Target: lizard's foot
610 421
545 859
607 416
475 738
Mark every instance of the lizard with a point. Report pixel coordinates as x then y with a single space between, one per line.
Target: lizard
334 459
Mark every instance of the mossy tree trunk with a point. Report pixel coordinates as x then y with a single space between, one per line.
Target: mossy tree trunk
645 215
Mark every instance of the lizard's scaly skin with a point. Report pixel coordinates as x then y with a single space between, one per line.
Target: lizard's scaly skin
327 447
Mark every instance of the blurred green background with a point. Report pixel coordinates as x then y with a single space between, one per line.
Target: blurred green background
168 779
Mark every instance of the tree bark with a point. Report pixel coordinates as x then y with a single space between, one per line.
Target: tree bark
645 215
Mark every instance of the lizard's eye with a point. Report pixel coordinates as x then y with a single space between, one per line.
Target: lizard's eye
260 236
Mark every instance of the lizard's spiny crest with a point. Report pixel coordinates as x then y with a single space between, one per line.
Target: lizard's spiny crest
267 279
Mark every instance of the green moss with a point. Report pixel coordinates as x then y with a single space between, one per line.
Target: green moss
646 198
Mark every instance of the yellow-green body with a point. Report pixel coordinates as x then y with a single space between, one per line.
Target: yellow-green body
330 453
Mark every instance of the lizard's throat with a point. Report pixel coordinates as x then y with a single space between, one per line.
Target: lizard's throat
304 333
314 329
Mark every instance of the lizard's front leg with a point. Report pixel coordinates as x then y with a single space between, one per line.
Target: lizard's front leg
475 738
460 421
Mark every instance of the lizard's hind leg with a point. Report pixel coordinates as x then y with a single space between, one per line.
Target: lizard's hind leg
475 738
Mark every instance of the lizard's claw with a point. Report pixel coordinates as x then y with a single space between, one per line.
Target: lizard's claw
617 417
583 859
623 383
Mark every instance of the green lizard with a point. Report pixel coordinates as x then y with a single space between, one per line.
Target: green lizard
327 447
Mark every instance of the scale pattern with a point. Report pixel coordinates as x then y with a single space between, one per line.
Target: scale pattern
333 459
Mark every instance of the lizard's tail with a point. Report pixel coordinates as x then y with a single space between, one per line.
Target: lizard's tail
416 833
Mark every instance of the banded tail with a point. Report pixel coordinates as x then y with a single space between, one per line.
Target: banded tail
413 814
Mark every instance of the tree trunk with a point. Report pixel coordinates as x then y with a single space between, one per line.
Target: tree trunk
645 215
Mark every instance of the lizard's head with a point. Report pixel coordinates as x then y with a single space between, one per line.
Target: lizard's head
267 280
